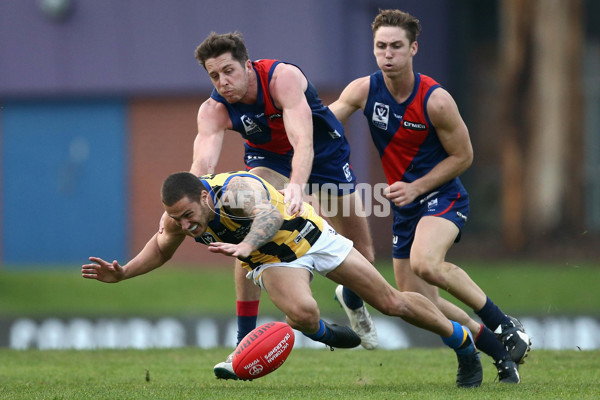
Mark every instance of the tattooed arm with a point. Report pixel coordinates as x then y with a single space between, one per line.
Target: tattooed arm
247 197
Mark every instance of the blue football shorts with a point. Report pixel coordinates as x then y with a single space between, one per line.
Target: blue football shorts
328 174
451 203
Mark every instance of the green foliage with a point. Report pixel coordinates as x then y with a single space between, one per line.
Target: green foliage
307 374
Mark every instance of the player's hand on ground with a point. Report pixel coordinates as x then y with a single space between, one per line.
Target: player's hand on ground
229 249
401 193
293 197
102 270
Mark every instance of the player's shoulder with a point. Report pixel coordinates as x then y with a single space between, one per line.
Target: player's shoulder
440 98
212 109
358 89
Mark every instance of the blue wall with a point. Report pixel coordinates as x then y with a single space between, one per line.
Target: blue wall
64 181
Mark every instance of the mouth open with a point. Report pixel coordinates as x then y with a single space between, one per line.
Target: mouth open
193 228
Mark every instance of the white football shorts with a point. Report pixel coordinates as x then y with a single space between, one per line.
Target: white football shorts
325 255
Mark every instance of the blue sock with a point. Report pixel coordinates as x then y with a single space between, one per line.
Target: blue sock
487 342
459 340
491 316
351 299
245 325
322 334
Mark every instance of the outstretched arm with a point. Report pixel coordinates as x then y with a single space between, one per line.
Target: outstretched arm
212 121
155 253
248 198
287 88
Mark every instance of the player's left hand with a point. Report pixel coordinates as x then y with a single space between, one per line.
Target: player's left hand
242 250
294 198
401 193
103 270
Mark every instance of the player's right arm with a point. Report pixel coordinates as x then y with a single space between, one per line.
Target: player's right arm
159 249
213 120
353 97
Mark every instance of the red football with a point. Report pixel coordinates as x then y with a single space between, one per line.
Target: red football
263 350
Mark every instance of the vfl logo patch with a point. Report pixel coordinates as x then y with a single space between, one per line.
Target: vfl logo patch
381 115
206 238
249 125
414 126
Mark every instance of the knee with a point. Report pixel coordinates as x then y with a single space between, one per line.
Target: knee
425 268
394 304
304 316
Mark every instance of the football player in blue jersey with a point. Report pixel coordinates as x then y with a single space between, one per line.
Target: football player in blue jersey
424 146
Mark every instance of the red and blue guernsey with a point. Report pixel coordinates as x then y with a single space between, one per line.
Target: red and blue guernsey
407 141
267 144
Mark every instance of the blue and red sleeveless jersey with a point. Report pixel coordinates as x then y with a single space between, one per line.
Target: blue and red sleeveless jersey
407 142
261 123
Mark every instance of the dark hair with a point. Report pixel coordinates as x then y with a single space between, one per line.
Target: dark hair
217 44
400 19
179 185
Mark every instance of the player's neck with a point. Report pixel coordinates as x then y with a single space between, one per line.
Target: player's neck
400 85
252 92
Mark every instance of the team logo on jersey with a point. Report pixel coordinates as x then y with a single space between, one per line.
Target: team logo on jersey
249 125
274 116
414 126
432 204
347 172
381 115
206 238
335 134
305 231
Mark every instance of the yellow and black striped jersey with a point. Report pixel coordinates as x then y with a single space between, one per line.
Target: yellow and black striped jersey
295 237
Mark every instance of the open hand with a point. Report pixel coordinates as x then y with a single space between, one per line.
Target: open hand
103 271
242 250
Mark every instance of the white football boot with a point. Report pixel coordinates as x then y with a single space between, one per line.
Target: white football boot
224 370
360 320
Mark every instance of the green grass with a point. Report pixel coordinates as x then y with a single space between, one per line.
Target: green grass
307 374
519 288
186 373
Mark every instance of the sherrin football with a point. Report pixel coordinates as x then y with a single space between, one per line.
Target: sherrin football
263 350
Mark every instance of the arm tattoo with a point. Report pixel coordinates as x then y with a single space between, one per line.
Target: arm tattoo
251 200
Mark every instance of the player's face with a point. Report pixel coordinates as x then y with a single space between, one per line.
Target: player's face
228 76
392 50
191 216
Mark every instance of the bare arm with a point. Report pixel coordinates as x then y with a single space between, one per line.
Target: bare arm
248 198
454 137
287 88
212 120
159 249
353 97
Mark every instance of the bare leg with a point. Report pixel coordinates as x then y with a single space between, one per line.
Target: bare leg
407 281
433 238
361 276
289 290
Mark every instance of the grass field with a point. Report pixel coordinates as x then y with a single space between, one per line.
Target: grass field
307 374
186 373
